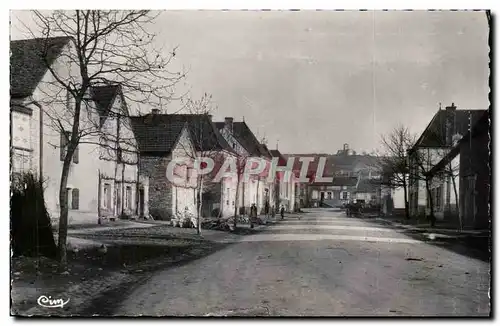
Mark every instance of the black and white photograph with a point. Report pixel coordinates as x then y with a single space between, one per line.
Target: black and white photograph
250 163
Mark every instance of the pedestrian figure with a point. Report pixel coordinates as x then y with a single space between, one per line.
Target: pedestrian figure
282 211
253 215
266 209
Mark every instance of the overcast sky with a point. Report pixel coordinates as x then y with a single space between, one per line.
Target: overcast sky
315 80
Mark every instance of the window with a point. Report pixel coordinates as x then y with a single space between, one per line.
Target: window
344 195
107 195
438 199
128 197
329 195
75 198
64 141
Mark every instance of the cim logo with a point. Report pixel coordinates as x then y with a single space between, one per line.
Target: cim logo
51 303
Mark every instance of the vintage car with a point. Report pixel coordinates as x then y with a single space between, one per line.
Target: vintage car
354 208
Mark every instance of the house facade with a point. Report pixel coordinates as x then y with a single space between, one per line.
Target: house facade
433 145
41 119
461 180
163 138
257 189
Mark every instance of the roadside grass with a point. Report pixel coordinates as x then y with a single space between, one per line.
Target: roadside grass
92 272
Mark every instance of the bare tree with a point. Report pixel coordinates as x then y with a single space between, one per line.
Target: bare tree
240 169
423 160
106 47
206 146
393 163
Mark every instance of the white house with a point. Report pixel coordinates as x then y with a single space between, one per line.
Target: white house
257 189
41 115
432 146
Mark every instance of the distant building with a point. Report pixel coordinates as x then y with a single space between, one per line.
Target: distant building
351 175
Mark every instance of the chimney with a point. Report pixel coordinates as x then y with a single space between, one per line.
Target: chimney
451 108
228 123
450 124
155 111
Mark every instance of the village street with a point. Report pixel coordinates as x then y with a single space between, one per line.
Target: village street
324 264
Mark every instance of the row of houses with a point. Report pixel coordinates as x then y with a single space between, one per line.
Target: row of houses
119 169
354 177
450 170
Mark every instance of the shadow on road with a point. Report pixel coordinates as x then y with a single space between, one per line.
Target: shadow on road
474 246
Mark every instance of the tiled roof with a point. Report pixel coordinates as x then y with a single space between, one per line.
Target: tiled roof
276 153
159 132
337 181
336 163
435 132
265 151
368 185
29 60
247 139
104 97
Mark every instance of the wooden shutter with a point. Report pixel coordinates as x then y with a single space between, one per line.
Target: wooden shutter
75 199
75 155
63 144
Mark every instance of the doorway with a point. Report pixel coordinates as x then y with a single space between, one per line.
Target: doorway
141 202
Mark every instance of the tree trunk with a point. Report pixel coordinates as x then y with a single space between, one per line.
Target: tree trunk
200 203
257 197
456 202
236 200
123 189
63 216
99 195
407 204
137 187
431 204
63 191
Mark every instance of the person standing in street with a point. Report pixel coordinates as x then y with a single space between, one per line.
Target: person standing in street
282 211
253 215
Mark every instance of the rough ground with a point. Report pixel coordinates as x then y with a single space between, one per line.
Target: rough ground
321 265
133 254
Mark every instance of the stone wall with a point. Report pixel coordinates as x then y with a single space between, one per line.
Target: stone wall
159 189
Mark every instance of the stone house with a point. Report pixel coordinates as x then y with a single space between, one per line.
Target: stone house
466 170
166 137
41 119
431 147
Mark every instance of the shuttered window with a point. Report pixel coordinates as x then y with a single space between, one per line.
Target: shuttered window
65 136
75 198
75 155
64 143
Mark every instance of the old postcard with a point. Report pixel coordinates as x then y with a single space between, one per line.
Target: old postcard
253 163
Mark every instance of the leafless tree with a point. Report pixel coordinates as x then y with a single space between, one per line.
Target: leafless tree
106 48
205 146
240 169
393 162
